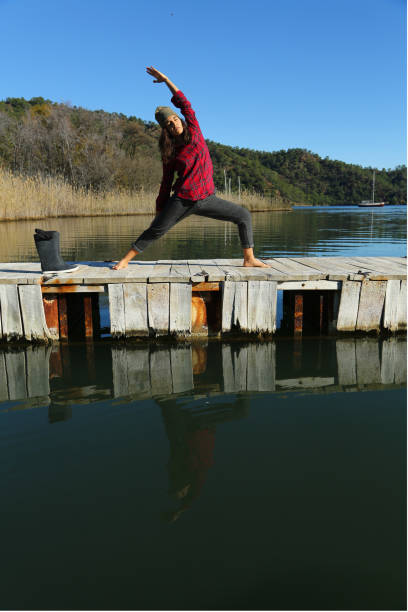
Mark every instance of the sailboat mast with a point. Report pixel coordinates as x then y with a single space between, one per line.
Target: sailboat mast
373 184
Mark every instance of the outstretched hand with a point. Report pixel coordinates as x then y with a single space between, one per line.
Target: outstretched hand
158 76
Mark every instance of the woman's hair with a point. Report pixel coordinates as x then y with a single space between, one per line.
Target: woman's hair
167 143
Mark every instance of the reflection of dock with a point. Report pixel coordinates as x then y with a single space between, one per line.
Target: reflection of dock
205 297
67 375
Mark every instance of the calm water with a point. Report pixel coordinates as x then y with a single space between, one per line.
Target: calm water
210 475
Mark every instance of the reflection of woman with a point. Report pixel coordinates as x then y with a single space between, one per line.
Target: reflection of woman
185 152
191 456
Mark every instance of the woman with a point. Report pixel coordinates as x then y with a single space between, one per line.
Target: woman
185 152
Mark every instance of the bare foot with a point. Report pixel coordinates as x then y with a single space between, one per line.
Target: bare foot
120 265
254 263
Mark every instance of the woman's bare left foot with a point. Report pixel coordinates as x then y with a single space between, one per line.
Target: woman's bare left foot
120 265
254 263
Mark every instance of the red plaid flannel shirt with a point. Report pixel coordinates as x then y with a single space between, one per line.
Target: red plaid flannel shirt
192 162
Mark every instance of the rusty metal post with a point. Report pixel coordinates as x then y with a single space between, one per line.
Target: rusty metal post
88 317
198 314
199 355
321 310
56 370
298 315
50 303
63 316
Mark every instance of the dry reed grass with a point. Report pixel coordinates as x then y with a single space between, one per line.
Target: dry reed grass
255 202
38 198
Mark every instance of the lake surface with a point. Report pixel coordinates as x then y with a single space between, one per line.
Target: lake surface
206 475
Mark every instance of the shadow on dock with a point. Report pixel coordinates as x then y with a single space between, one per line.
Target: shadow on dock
63 375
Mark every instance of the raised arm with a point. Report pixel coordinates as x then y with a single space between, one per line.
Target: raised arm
179 100
159 77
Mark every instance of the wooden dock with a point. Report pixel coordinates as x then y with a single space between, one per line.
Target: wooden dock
205 297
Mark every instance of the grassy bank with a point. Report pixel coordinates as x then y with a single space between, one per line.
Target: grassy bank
38 198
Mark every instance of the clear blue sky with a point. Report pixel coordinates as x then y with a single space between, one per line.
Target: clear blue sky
325 75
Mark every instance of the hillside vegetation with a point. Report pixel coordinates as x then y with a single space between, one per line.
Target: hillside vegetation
100 152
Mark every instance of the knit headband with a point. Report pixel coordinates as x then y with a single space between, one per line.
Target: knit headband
163 113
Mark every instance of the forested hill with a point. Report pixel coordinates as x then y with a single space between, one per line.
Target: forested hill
101 151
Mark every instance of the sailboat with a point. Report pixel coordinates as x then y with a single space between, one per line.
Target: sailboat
372 203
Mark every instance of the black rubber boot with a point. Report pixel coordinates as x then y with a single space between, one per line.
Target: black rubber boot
48 248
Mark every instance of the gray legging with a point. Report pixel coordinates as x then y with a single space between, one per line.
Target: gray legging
177 209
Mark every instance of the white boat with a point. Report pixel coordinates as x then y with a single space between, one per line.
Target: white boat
370 203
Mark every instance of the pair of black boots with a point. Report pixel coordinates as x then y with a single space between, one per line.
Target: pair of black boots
48 248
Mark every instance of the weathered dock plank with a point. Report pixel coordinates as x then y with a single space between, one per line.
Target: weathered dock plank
261 366
388 361
346 361
16 374
158 298
402 306
348 308
234 306
4 393
32 313
117 310
180 309
368 361
197 274
135 307
391 305
209 269
119 372
330 269
181 361
377 270
180 272
38 370
296 270
160 372
401 361
262 298
234 368
371 305
12 325
161 274
138 378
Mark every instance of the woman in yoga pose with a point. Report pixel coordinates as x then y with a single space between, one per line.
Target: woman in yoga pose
184 151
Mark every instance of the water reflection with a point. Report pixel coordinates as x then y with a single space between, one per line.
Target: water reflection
247 457
303 231
67 374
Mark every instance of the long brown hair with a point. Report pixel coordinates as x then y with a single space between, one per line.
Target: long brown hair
167 142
